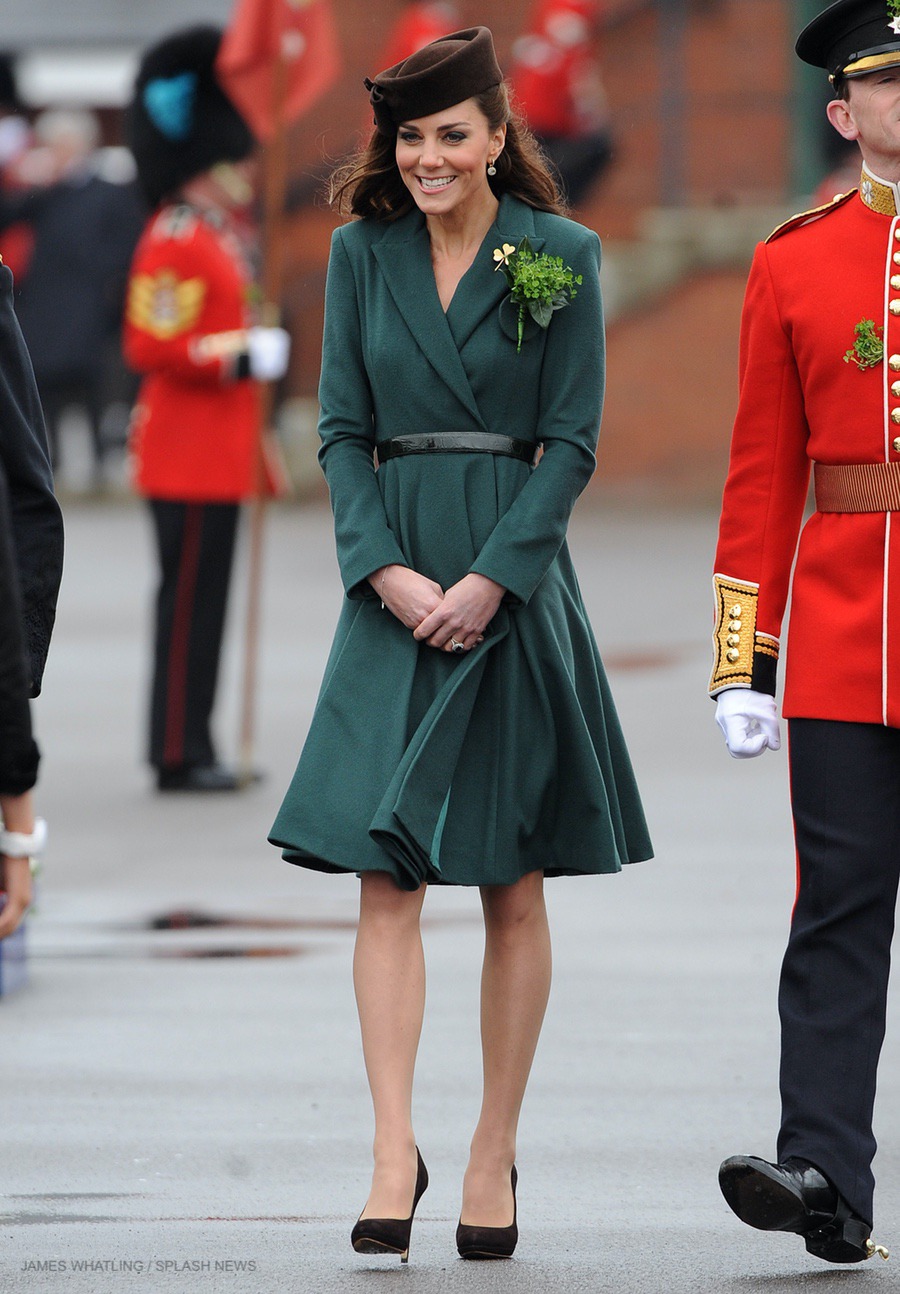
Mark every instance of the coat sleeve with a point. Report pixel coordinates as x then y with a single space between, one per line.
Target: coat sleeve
365 541
765 494
36 521
530 534
18 752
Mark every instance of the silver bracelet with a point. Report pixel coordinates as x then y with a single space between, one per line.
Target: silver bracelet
381 594
20 844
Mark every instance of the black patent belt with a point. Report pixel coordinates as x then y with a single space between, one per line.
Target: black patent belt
454 442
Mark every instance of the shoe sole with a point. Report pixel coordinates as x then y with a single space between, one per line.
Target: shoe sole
762 1200
366 1246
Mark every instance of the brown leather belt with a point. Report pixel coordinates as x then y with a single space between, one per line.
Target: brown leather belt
857 487
453 442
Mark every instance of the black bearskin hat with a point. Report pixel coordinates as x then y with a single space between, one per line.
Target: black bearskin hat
180 121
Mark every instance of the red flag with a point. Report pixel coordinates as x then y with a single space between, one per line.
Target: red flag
301 33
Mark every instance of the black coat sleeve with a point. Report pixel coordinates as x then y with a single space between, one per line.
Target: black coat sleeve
18 752
36 520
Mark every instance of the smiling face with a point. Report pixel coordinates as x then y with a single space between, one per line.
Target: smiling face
870 114
443 158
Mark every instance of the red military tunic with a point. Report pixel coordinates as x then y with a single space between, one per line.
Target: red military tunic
195 426
554 67
418 25
800 403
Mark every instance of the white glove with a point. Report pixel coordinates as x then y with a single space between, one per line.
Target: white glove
269 349
749 721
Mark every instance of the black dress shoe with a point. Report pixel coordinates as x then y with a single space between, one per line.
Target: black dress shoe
197 777
795 1196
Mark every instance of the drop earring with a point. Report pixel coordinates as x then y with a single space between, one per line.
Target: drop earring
491 170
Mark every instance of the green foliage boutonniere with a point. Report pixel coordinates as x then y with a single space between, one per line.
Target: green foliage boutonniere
868 349
539 284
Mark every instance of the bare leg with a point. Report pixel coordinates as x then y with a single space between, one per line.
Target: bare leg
389 978
515 986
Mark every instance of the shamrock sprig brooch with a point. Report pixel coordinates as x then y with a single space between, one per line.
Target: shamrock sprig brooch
539 284
868 348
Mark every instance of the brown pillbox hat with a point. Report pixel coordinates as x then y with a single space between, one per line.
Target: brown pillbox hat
456 67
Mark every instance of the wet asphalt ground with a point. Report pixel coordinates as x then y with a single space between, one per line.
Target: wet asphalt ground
184 1104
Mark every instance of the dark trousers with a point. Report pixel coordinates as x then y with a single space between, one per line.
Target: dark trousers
85 391
196 549
579 160
845 793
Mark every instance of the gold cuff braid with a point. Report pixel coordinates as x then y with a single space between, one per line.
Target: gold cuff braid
737 644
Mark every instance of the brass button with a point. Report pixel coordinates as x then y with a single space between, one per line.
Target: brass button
894 363
737 609
896 444
897 234
894 307
733 655
734 640
897 258
895 389
895 415
734 626
895 280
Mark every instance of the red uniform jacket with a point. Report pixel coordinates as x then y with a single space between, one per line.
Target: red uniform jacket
801 403
195 426
554 65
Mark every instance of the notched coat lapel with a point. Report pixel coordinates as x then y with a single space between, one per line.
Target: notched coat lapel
404 258
482 288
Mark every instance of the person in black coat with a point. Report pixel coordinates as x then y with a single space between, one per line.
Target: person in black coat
70 297
31 550
18 750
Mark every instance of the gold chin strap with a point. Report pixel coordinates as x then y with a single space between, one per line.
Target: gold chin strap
872 1249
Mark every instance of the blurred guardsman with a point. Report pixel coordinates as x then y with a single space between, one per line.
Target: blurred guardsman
555 75
419 23
189 330
820 393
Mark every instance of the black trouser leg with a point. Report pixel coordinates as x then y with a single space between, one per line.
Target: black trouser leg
196 548
845 792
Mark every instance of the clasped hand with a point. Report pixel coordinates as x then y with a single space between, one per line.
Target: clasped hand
749 721
439 618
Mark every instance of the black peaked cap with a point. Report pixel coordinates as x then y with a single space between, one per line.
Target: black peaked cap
851 38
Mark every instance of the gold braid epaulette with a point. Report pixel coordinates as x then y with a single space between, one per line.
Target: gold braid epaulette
807 217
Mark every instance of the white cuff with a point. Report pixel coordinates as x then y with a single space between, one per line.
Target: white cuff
19 844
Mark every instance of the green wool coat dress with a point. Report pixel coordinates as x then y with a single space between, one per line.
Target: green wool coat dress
461 769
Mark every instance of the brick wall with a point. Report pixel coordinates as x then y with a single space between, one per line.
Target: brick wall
732 147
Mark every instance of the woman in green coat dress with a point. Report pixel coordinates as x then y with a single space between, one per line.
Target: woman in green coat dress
464 733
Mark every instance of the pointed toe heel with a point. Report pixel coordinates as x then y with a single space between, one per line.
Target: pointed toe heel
490 1242
390 1235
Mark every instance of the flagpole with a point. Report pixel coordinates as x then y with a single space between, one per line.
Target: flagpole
274 186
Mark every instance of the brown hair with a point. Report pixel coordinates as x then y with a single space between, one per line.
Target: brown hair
369 185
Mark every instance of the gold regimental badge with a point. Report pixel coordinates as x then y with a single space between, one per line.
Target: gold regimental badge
164 305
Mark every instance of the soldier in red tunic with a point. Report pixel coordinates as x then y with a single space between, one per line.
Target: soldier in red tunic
820 395
555 76
189 330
